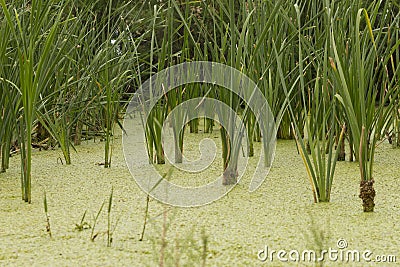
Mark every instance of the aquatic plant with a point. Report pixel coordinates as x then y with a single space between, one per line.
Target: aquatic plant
66 68
59 72
229 41
316 147
110 227
38 57
357 89
156 116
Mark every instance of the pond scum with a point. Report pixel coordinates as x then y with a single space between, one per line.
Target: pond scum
328 70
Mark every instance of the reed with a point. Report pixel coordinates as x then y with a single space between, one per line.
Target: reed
320 123
38 56
69 67
356 79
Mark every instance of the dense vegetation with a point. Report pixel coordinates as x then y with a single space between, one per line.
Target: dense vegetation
329 70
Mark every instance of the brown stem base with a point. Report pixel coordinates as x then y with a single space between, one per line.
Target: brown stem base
341 157
367 194
230 177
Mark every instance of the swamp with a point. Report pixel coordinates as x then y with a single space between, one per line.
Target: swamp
199 133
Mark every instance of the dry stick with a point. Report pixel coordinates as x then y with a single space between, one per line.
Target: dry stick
204 252
145 217
109 232
148 200
164 229
176 250
163 237
48 229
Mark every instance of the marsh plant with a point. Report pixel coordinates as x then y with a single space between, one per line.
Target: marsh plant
320 126
63 65
110 225
366 95
37 57
347 89
226 43
330 69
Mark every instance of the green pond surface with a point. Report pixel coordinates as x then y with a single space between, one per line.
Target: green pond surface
280 215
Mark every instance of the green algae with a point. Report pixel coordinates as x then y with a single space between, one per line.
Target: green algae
280 214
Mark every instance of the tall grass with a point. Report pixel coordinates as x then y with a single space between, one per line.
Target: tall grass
223 32
61 73
292 50
8 101
317 103
39 46
156 116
